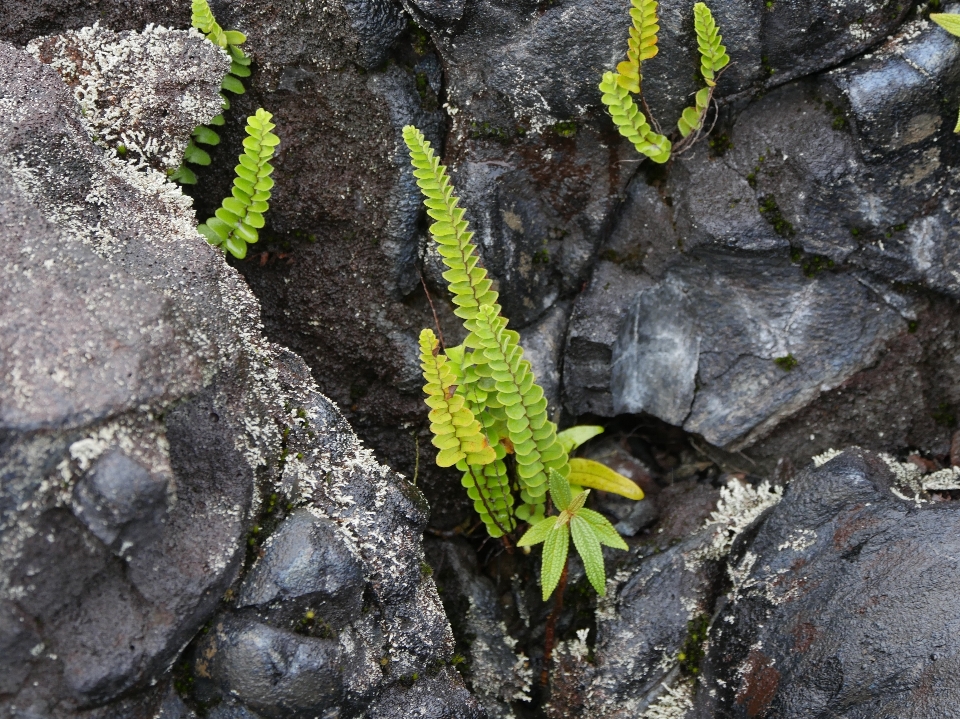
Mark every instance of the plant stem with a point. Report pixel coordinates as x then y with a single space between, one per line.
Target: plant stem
436 321
551 627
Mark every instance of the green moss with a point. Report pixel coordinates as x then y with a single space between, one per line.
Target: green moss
426 570
720 144
765 64
912 326
541 256
839 116
816 264
786 363
771 213
568 128
310 625
488 131
420 38
692 652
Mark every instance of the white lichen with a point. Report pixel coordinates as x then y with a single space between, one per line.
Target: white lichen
674 703
740 504
821 459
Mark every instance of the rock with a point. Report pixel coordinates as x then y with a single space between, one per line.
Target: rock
145 117
153 439
682 330
497 673
816 611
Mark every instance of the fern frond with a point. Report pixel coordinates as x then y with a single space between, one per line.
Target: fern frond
713 55
692 118
468 280
456 431
642 44
534 437
205 22
240 216
632 123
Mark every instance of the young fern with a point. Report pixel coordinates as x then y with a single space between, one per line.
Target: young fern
950 23
235 224
484 399
642 45
229 40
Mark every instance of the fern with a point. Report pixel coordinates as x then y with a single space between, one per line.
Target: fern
632 123
642 44
950 23
229 40
485 402
235 224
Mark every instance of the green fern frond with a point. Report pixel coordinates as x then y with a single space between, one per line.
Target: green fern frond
456 431
206 23
642 44
713 55
692 118
534 438
240 216
468 280
632 123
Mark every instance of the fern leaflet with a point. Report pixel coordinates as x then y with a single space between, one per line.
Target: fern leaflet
713 55
642 44
241 215
632 123
692 118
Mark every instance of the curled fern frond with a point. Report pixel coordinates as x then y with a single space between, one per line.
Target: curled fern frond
241 215
632 123
692 118
456 431
713 55
534 438
642 44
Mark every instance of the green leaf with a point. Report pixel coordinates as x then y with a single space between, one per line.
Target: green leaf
238 70
206 136
195 155
554 560
948 21
957 126
212 237
588 473
236 247
573 437
235 37
220 227
232 84
588 547
184 175
538 532
605 531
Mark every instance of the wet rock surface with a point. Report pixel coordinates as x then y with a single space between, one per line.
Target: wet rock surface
809 622
152 439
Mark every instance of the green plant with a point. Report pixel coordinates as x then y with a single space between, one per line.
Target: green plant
235 224
229 40
617 87
484 400
589 529
950 23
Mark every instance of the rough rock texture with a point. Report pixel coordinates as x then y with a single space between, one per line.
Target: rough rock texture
151 438
811 626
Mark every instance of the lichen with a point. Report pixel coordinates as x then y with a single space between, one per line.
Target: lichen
674 703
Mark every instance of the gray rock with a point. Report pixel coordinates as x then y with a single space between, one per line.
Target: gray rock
815 619
146 116
831 326
142 443
307 559
543 346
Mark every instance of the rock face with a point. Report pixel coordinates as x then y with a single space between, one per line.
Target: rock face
151 439
809 622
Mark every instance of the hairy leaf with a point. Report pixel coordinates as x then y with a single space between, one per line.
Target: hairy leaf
555 549
948 21
559 490
605 531
588 547
538 532
587 473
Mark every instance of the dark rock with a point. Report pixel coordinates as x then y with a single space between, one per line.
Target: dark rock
845 587
815 333
435 696
306 561
152 438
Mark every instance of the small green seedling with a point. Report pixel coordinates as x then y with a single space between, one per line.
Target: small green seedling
589 529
